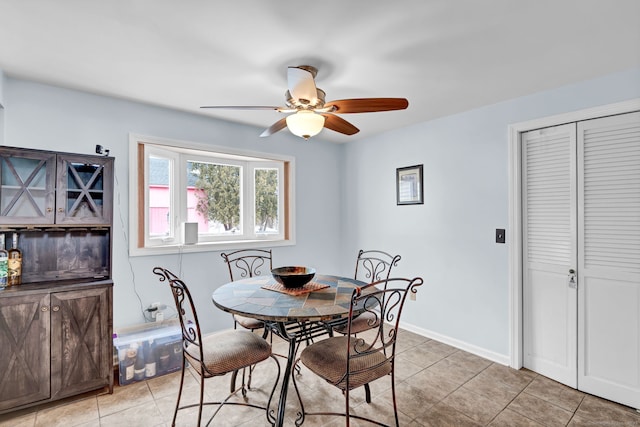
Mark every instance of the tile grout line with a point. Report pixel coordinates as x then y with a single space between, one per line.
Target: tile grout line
576 410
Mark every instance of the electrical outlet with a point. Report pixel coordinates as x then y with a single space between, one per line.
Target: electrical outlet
154 310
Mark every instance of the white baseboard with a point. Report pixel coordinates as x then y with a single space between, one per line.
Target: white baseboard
478 351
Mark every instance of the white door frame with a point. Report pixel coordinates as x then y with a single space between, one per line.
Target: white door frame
514 232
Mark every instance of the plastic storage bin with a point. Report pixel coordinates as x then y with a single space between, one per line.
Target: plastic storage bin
148 350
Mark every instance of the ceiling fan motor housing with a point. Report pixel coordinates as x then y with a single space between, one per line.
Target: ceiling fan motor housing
306 104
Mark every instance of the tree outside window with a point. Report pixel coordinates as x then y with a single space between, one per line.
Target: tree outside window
218 193
266 188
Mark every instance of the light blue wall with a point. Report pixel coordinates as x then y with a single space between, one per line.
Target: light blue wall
345 197
46 117
450 240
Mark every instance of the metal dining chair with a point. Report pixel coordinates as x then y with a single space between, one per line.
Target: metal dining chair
374 265
348 362
248 263
216 354
245 263
371 266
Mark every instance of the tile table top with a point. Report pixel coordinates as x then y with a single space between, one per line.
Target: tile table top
247 297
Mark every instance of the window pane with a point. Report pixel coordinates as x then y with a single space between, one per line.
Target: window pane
213 197
237 200
266 196
159 197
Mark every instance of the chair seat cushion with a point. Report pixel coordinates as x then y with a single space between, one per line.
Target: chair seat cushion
361 323
228 351
248 322
328 359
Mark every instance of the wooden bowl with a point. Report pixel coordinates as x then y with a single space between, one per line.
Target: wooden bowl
294 276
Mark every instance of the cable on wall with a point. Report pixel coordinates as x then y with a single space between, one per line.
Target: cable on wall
145 314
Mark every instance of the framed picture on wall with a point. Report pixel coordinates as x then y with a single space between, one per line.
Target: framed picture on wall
409 183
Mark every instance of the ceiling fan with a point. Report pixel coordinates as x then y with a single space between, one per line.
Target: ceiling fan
308 111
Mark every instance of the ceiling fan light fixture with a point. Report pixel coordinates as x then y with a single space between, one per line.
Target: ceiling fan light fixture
305 123
308 113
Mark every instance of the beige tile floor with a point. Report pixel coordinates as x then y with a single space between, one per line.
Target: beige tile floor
437 385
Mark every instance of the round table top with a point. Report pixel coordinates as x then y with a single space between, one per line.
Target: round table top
248 297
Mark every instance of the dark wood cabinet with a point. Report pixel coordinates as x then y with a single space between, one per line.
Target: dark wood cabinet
56 327
42 187
61 205
54 342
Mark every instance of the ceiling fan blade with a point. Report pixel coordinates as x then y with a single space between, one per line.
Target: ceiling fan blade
339 124
302 87
242 107
367 105
276 127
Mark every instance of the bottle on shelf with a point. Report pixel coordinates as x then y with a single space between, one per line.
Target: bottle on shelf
14 270
129 362
139 366
163 359
150 360
4 259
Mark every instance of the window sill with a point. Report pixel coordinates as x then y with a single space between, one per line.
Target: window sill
208 247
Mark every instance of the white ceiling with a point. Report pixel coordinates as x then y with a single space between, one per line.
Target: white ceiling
445 56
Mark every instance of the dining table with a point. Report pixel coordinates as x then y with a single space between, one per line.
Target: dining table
295 315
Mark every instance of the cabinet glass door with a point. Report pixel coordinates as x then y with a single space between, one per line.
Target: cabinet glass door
84 190
26 187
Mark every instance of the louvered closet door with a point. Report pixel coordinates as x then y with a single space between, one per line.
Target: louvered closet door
549 252
609 261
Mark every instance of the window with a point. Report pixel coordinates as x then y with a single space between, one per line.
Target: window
235 198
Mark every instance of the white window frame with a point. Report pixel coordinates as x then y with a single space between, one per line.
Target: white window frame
179 152
251 174
174 201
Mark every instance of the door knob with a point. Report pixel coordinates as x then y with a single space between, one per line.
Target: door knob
572 280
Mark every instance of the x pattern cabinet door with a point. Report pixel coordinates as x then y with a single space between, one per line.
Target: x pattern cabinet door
80 357
84 193
24 352
27 187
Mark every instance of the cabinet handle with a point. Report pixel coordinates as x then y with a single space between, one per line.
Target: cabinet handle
55 308
60 210
44 308
49 210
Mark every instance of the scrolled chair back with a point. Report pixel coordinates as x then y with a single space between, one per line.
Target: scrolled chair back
248 263
191 336
349 361
375 265
384 301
